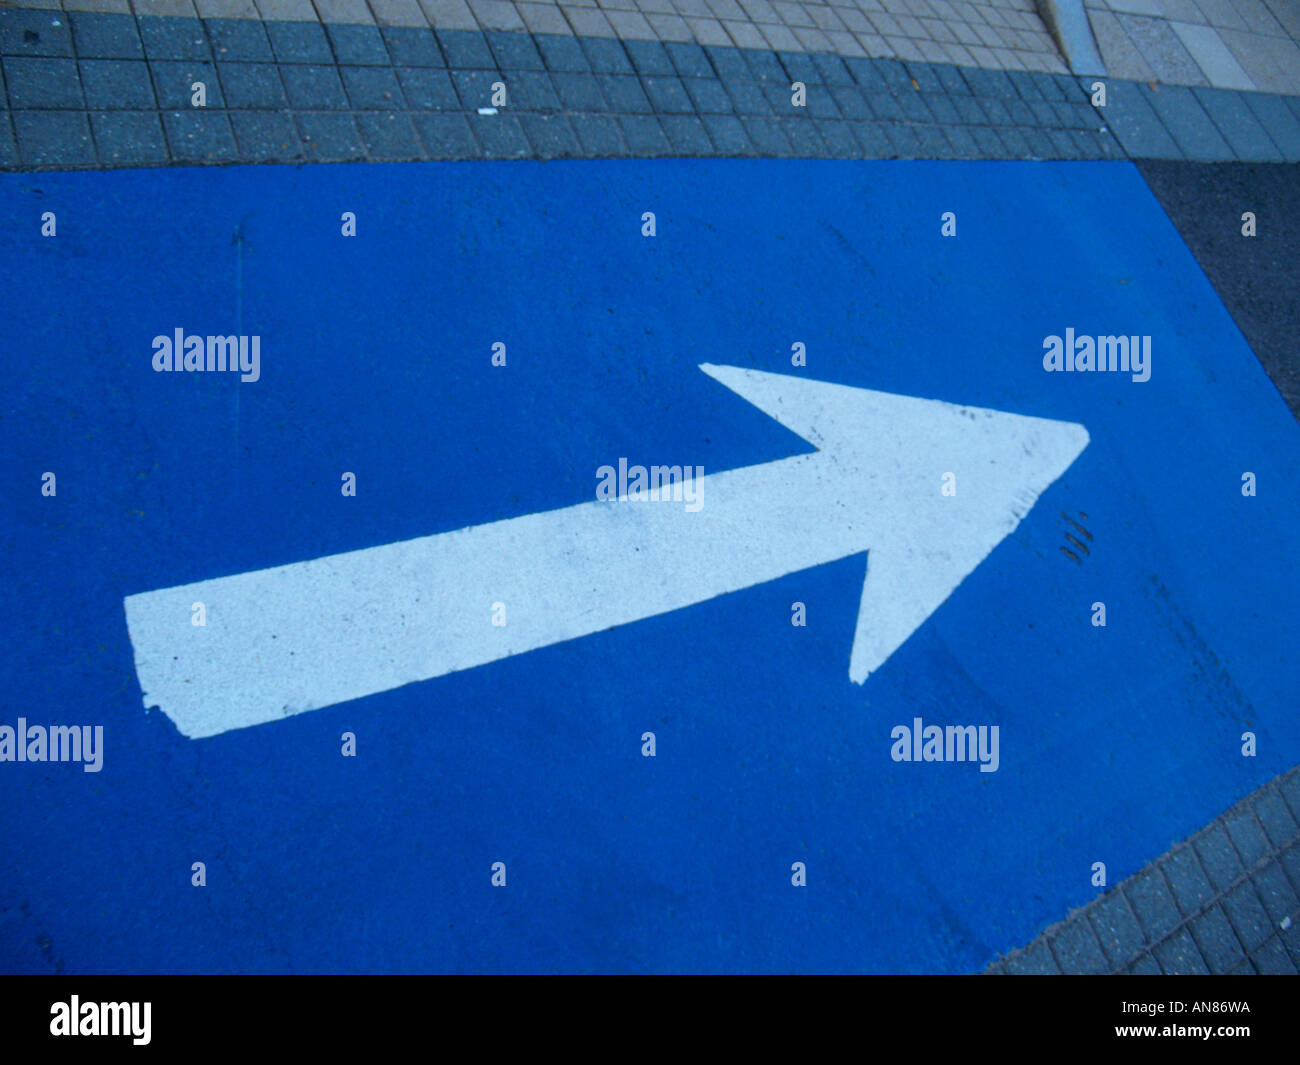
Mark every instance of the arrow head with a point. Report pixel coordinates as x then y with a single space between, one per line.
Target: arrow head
936 486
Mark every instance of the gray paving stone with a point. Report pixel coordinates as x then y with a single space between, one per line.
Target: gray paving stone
1290 937
1064 143
532 90
996 110
925 75
644 135
314 88
1016 143
766 135
933 143
47 138
1217 941
551 136
1188 123
689 59
764 66
389 136
963 144
358 46
969 111
624 94
1020 113
907 145
687 134
412 46
199 136
475 87
951 81
850 101
1040 144
649 57
1272 959
1283 128
1145 966
832 68
372 88
38 82
708 96
173 38
1288 784
34 33
501 136
563 53
1218 857
578 92
1076 948
299 42
1187 881
748 97
838 139
1248 915
117 84
990 83
266 136
1152 902
728 62
1245 136
330 137
1035 960
1027 86
247 85
667 95
1116 929
447 136
1275 891
514 51
1290 862
238 38
98 36
820 103
428 89
1106 146
1047 87
127 137
800 67
871 136
600 135
728 135
867 76
1179 956
1271 810
1045 114
779 97
802 134
466 50
1136 124
1248 838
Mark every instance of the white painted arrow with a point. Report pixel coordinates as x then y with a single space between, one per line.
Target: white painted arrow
294 638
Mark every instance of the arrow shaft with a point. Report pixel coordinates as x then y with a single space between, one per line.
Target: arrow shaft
294 638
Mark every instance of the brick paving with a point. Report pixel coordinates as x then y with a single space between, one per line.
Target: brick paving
1230 44
1225 901
95 89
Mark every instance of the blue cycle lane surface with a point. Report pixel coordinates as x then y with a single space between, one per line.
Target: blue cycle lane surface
376 360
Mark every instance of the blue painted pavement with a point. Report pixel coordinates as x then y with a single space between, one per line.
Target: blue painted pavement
375 359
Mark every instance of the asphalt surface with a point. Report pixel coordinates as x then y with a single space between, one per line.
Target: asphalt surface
1257 278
